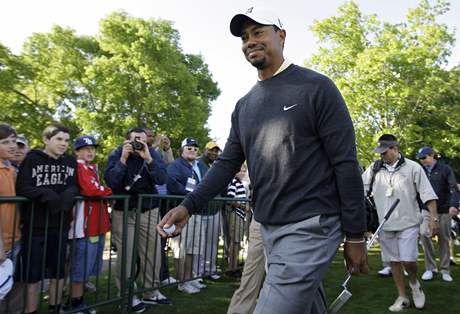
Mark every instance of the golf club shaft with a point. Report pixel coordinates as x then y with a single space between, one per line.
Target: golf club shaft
374 236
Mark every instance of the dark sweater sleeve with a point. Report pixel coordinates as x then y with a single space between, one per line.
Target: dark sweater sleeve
174 183
115 172
221 173
453 188
337 134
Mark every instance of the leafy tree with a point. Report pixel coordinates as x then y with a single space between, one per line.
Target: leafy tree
133 73
394 77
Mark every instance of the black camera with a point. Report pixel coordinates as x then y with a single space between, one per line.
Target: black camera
137 145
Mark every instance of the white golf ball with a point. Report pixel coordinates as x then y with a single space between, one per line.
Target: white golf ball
170 229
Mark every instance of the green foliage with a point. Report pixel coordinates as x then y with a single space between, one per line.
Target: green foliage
394 77
132 73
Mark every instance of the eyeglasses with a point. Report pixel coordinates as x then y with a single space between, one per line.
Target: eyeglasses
422 158
191 148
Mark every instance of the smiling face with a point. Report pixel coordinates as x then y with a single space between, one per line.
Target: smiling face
57 145
8 147
212 153
263 45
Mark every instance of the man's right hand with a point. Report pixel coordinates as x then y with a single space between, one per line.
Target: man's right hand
177 216
126 151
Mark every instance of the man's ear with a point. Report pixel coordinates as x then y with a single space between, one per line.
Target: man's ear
282 35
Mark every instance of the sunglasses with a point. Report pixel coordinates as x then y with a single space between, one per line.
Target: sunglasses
422 158
191 148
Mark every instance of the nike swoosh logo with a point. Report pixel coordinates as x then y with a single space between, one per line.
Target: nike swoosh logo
286 108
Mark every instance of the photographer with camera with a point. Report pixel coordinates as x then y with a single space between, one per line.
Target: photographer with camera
134 169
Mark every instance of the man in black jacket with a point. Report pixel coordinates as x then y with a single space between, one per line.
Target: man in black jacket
295 132
134 169
443 181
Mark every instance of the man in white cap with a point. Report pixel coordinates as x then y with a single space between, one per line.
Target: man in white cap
295 132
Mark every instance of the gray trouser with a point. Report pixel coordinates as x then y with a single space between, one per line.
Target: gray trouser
245 297
443 241
298 256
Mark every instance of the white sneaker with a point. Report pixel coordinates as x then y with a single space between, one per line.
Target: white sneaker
385 271
90 286
417 295
400 304
427 275
187 288
215 277
446 276
197 284
168 281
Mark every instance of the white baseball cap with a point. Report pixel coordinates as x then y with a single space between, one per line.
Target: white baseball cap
6 277
258 15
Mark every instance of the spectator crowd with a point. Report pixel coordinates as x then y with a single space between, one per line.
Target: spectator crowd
58 238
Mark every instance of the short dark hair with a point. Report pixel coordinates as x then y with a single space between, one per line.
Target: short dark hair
136 129
6 131
388 137
53 129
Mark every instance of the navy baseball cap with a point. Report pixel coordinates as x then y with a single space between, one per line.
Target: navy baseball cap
188 141
424 151
83 141
256 14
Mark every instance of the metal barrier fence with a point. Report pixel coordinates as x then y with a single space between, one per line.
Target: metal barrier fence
76 250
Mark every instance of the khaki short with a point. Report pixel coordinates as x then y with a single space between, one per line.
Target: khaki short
400 246
190 241
235 227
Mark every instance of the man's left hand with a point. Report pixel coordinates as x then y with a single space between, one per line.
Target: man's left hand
355 255
453 211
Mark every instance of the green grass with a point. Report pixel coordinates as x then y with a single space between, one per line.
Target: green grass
371 294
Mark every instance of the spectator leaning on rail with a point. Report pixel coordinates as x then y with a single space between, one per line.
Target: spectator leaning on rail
295 132
48 178
10 235
443 181
133 169
399 177
90 223
184 175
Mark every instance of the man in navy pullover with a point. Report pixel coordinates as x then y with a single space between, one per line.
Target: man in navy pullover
295 132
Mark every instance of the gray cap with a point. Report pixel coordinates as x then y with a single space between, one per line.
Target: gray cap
383 146
21 139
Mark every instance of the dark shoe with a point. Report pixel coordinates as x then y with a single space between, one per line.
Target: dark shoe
157 298
137 306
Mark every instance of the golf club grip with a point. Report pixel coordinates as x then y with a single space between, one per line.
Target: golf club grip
392 208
